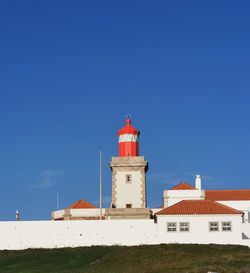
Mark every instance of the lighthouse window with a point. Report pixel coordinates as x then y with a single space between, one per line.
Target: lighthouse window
128 178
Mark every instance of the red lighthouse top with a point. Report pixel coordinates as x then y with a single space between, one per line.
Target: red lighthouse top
128 140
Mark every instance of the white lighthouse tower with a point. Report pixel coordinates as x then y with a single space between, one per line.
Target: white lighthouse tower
128 176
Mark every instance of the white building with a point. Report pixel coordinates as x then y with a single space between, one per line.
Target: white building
205 221
80 210
237 199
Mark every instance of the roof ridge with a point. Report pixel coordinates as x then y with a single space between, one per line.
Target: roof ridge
75 204
229 190
185 184
85 201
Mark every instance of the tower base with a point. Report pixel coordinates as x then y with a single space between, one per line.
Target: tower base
127 213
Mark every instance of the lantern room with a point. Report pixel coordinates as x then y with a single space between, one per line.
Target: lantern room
128 140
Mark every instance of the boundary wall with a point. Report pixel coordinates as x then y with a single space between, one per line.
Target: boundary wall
54 234
17 235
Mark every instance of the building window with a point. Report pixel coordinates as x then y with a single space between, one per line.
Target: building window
214 226
184 226
128 178
128 206
226 226
171 227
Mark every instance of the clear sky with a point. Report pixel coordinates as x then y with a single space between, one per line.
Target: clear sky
71 70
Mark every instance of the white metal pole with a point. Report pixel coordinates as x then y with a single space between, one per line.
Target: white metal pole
100 183
57 200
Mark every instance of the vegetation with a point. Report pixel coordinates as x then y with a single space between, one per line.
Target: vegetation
141 259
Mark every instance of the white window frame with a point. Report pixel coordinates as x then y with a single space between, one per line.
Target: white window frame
223 224
212 228
169 229
184 226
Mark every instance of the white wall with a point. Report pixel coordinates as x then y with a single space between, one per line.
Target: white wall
239 205
199 229
52 234
246 229
246 232
172 197
95 212
129 193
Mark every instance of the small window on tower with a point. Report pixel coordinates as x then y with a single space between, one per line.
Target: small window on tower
128 178
128 206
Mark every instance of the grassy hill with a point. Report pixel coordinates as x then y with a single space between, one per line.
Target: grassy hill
139 259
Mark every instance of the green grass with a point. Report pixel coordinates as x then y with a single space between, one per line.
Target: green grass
141 259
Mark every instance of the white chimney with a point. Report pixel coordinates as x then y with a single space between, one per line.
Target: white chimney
198 182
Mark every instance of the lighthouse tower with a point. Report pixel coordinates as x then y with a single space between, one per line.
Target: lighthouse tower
128 171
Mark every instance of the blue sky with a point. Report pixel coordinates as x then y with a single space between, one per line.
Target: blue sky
71 70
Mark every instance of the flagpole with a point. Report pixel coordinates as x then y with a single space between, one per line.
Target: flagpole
100 182
57 200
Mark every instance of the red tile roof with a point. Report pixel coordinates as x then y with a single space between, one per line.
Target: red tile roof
183 186
189 207
81 204
224 195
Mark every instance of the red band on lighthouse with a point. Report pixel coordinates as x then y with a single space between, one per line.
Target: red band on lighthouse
128 140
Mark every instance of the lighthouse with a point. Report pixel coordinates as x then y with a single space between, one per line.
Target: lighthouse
128 171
